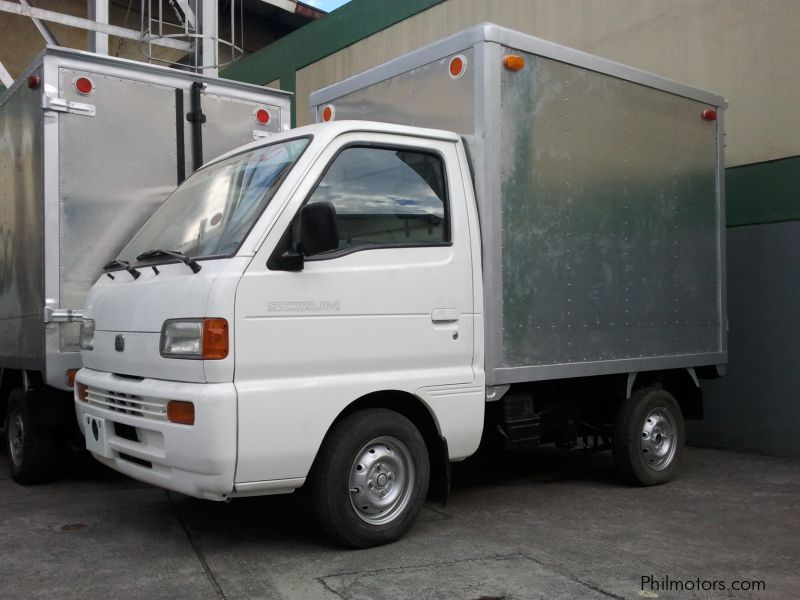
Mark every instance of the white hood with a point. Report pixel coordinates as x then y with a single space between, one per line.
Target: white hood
136 310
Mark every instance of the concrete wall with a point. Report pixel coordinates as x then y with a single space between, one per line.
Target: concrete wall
746 50
756 406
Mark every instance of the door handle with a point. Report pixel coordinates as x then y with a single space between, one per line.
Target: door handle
444 315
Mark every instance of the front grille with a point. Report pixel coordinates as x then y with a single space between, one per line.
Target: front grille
128 404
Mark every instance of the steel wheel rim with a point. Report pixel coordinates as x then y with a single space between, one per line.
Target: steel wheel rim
659 439
16 439
381 480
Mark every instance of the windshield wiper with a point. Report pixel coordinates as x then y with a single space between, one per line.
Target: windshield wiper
189 262
123 264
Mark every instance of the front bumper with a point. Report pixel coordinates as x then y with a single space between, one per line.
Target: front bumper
198 460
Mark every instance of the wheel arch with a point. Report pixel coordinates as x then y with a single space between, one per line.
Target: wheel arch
678 382
416 411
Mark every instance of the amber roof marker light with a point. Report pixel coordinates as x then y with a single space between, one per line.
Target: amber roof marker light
513 62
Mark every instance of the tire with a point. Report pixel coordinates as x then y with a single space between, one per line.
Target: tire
370 479
649 437
30 445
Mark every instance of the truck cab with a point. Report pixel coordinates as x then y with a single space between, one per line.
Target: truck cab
319 281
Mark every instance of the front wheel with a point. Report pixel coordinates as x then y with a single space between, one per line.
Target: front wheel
371 478
29 444
649 437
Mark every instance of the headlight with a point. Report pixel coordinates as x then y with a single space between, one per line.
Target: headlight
182 338
87 334
195 339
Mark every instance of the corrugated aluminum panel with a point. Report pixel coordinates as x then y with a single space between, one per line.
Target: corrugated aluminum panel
115 169
609 219
21 229
425 96
230 123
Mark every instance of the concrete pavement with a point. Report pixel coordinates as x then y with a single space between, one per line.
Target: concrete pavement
540 524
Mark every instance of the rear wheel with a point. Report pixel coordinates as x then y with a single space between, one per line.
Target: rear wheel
649 437
29 444
371 478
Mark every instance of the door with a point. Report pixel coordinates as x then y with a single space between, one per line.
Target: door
115 168
391 308
232 122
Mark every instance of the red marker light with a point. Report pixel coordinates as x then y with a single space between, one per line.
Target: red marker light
710 114
262 116
34 81
83 85
328 113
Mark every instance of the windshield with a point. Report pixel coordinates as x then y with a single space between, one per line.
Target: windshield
213 210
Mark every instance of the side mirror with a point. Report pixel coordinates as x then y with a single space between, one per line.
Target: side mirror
286 262
318 229
318 233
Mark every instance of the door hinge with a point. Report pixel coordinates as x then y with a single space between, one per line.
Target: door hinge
61 105
61 315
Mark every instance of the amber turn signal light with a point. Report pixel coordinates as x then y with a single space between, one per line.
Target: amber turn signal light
71 377
83 391
180 412
215 339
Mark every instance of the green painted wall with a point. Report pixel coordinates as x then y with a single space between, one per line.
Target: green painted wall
345 26
767 192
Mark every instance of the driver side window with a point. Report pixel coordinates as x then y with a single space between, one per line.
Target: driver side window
385 197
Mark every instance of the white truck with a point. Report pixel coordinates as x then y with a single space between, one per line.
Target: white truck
89 147
354 304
